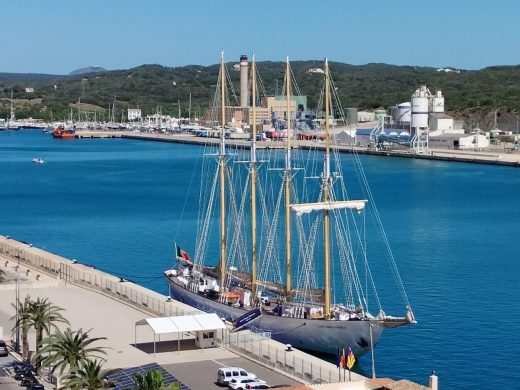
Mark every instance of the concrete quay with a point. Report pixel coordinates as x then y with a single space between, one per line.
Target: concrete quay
110 307
494 157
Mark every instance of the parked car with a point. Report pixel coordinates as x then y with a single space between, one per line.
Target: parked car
240 384
257 385
3 348
227 374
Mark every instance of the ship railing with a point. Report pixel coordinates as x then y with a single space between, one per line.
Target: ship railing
259 347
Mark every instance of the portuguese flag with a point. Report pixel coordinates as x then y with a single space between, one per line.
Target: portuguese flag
182 254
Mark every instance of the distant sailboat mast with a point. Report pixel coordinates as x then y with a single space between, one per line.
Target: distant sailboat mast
222 172
326 198
12 109
253 181
287 182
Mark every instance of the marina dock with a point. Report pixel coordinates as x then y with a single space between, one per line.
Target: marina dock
111 306
468 156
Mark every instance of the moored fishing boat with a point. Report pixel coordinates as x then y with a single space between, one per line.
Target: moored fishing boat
295 309
61 132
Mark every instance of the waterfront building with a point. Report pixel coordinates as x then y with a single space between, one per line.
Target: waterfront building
134 114
474 141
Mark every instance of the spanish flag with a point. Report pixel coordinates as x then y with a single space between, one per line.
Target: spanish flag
342 359
351 359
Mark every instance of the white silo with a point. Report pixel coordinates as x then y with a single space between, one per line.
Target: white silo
244 90
404 112
420 108
438 102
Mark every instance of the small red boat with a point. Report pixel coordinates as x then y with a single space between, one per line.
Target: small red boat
61 132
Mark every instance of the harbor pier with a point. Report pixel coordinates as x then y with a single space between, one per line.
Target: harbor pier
494 157
111 306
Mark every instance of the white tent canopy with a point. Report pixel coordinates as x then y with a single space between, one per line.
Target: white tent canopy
177 324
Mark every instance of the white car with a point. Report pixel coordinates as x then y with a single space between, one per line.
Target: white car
257 385
240 384
227 374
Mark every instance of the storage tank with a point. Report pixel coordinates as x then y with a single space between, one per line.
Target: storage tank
352 117
380 113
394 113
404 112
420 108
438 102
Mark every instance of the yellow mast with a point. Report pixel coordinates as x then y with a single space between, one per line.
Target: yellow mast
287 180
253 181
222 173
326 198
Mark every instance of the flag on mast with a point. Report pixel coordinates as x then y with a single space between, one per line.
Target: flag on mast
342 359
182 254
351 359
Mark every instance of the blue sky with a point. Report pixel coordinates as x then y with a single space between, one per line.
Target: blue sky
58 36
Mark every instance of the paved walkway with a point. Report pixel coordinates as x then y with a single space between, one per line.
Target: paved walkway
110 318
110 307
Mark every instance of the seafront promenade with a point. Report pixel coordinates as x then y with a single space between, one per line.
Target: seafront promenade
111 306
493 157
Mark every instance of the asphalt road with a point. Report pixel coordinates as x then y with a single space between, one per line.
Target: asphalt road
6 381
203 375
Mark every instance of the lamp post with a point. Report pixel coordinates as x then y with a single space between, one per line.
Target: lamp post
372 351
17 304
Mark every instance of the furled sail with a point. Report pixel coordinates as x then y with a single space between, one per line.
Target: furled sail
304 208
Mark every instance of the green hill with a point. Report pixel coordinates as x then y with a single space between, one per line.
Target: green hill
365 86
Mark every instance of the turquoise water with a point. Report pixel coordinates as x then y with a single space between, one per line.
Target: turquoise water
116 204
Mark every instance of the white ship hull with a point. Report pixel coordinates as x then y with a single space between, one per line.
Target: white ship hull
311 334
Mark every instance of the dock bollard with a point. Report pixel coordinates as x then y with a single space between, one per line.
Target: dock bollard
433 383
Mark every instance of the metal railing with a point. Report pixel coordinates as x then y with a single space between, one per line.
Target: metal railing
140 298
256 346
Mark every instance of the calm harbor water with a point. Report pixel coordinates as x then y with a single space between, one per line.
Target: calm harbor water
116 204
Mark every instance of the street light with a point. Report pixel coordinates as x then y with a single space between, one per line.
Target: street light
17 341
372 351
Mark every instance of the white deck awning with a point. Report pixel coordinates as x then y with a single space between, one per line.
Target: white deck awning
188 323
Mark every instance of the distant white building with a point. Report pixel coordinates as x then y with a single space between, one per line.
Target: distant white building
459 141
440 121
345 137
448 70
134 114
365 116
364 137
315 70
29 90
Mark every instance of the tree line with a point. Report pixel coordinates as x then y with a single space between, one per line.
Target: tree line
151 87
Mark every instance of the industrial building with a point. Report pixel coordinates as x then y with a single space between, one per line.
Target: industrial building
270 110
459 141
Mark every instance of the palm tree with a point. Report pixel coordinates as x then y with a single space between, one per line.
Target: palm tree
68 349
151 380
24 313
42 318
89 375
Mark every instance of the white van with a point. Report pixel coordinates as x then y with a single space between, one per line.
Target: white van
226 374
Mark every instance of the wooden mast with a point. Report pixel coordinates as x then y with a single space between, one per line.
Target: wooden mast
287 181
222 173
326 198
253 181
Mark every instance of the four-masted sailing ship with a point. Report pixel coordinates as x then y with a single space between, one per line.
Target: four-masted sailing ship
303 310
